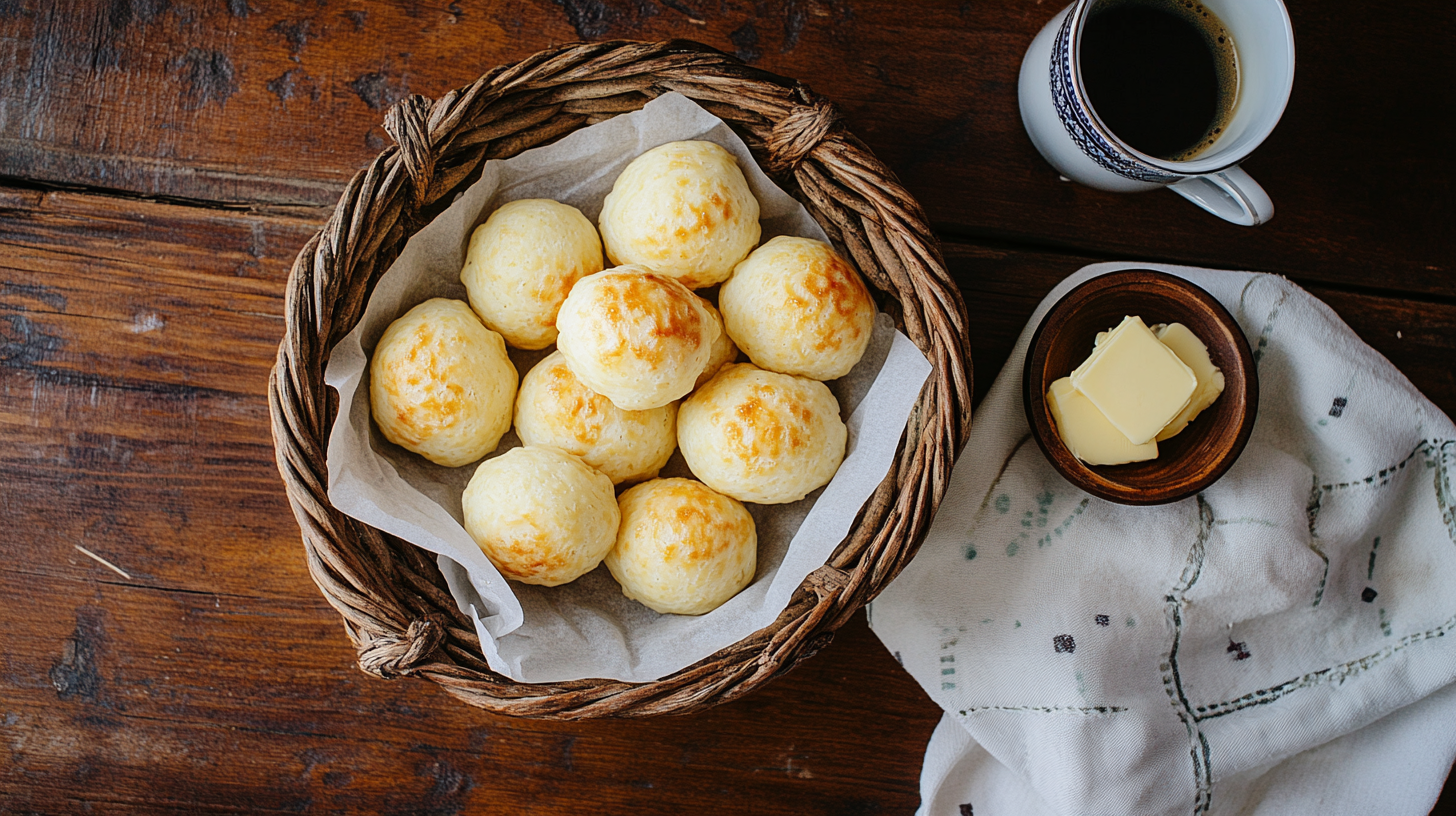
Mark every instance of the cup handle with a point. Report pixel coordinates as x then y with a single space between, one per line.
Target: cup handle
1230 194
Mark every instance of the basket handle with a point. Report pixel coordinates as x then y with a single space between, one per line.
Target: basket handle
408 123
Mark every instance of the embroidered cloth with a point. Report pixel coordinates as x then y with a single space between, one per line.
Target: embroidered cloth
1274 645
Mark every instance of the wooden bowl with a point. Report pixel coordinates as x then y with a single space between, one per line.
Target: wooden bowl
1186 463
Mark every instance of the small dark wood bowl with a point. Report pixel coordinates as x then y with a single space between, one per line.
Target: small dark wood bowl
1190 461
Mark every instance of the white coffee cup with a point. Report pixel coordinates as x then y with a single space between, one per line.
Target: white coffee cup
1069 134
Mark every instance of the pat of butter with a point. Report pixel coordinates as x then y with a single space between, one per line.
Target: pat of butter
1194 354
1156 329
1087 433
1138 383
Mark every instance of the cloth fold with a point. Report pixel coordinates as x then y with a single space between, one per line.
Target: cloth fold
1193 657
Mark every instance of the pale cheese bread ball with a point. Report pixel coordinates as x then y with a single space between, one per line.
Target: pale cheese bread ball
724 351
541 515
796 307
521 263
554 408
760 436
683 548
636 337
441 385
684 209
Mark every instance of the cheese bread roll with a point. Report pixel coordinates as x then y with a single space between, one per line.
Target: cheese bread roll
796 307
521 263
760 436
683 548
540 515
724 351
441 385
554 408
638 338
684 209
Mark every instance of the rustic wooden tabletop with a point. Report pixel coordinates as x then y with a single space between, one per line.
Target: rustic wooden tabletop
161 162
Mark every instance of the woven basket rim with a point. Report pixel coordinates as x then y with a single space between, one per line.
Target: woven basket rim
390 594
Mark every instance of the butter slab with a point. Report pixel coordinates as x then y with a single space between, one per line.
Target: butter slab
1138 383
1194 354
1087 433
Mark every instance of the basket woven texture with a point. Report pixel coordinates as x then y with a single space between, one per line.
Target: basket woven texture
390 593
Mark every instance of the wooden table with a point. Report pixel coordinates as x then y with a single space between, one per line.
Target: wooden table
163 161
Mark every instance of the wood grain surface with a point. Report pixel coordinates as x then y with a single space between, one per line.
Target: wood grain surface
281 102
164 160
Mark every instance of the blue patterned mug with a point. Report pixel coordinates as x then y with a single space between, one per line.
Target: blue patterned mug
1069 134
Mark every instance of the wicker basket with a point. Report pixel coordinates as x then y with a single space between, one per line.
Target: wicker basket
393 599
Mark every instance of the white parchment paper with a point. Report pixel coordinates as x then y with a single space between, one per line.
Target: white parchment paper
588 629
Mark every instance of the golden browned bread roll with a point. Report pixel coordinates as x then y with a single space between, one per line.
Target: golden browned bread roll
441 385
796 307
554 408
541 515
683 548
636 337
760 436
521 263
683 209
724 351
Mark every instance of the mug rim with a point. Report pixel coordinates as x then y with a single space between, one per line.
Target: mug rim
1192 167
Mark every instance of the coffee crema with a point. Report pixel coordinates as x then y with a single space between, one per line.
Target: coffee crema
1162 75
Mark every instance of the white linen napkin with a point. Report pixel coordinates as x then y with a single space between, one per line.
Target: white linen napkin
1394 766
1275 644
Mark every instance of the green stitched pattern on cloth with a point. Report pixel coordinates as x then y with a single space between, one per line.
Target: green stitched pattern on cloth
1263 342
1444 462
1316 498
1198 749
1066 524
1382 477
1332 675
1087 711
1165 651
1439 456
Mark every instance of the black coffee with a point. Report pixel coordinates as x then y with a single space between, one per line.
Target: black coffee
1161 74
